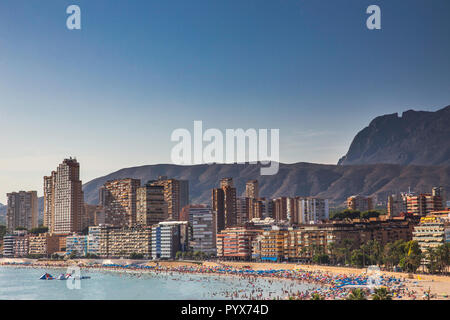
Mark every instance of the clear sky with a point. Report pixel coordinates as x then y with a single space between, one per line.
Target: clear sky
112 93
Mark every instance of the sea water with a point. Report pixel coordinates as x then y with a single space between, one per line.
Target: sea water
21 283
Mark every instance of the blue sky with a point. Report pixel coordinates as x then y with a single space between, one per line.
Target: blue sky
112 93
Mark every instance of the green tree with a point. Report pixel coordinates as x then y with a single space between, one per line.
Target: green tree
321 258
381 294
359 258
393 253
344 251
412 257
357 294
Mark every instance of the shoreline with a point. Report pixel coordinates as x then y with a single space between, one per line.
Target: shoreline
403 287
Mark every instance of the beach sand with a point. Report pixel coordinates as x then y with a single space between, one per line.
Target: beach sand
439 286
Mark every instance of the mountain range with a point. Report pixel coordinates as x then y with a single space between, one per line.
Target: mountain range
335 182
392 154
417 137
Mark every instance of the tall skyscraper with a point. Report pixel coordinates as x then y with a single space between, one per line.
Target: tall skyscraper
151 207
252 189
203 229
63 199
224 204
218 207
49 200
118 198
176 195
22 210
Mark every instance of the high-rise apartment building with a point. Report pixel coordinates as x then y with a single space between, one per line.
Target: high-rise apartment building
22 210
203 229
280 209
242 210
423 204
168 238
252 189
313 210
396 205
63 199
119 200
224 204
176 195
151 206
360 203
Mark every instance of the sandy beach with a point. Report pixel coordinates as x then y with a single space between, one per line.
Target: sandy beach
414 285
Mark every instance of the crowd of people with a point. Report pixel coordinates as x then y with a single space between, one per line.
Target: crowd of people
260 284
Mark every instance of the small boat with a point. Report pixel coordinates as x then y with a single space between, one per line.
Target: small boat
46 276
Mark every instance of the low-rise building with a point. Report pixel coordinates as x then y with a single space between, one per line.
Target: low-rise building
16 244
77 244
44 244
236 243
123 242
432 232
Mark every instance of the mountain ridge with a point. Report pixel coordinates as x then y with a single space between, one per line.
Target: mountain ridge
335 182
415 137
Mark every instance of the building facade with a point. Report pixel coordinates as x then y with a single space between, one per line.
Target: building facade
22 210
203 230
151 206
168 238
176 195
360 203
123 242
119 200
64 199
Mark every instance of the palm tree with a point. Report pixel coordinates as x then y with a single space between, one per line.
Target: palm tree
357 294
381 294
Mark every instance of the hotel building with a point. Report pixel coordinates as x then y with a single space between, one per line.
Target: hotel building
432 231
